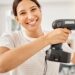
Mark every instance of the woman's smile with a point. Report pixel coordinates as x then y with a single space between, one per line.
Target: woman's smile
29 15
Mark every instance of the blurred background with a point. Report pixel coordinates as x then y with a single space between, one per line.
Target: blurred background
51 10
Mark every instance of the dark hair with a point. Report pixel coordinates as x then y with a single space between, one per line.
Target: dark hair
16 2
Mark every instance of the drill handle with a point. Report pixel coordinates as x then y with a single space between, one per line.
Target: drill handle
57 46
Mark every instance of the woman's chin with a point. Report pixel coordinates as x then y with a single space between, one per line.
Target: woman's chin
32 29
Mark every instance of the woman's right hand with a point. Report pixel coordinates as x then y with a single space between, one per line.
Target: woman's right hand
59 35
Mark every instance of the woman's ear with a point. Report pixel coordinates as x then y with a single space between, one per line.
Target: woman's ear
17 20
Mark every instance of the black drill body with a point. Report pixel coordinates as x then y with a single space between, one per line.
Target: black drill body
56 53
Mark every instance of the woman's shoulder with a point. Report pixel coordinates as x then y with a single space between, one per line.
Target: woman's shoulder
12 35
9 34
9 39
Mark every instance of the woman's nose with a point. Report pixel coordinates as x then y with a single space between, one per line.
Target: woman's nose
30 16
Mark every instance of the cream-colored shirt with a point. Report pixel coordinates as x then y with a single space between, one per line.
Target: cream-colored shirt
34 65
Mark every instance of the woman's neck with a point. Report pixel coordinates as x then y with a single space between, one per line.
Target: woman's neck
35 34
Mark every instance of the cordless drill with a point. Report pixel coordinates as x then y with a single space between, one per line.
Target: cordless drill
55 52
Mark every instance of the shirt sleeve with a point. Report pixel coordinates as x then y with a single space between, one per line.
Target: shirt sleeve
6 41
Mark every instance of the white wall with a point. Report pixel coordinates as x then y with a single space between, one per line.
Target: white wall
57 10
6 2
3 22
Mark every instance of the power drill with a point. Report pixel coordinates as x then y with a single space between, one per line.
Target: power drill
55 52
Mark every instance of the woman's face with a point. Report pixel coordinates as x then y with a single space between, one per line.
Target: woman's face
29 15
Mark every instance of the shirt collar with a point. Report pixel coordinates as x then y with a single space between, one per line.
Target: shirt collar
26 36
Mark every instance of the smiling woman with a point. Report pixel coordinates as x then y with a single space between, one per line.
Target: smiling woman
29 16
24 50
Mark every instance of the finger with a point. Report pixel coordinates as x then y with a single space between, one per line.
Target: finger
63 40
67 30
66 35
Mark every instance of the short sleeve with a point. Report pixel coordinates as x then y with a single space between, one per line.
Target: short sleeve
6 41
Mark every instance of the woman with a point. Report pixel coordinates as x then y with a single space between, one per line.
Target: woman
24 50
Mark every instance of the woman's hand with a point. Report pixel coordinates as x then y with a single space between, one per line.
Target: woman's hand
59 35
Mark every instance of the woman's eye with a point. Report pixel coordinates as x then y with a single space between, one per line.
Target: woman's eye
33 9
22 13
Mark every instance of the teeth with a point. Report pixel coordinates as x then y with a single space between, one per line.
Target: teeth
32 23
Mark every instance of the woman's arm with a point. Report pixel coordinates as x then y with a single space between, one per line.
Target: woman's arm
10 59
